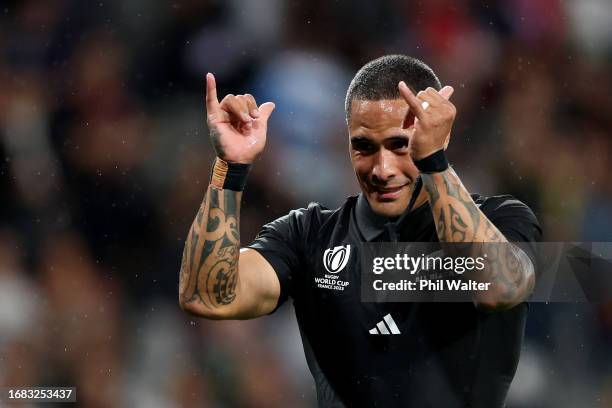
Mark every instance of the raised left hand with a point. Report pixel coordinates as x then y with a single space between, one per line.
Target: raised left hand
431 116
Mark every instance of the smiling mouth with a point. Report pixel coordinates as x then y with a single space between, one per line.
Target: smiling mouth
388 193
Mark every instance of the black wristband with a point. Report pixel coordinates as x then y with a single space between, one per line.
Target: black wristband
434 163
229 176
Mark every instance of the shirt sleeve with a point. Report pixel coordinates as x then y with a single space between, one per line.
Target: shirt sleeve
280 243
516 222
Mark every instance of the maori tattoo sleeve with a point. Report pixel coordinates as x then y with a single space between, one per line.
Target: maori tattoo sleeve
210 259
468 232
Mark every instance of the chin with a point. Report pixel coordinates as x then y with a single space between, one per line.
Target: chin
389 209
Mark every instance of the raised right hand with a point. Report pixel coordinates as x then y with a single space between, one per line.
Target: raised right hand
237 125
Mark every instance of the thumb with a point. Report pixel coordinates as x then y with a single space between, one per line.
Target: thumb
446 92
265 109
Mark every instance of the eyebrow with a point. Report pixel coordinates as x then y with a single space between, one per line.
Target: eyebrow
397 138
357 139
365 138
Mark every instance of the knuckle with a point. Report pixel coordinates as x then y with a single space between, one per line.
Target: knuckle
228 98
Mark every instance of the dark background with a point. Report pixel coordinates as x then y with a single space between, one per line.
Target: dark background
104 159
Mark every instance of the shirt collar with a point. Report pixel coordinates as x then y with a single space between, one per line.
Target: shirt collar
372 225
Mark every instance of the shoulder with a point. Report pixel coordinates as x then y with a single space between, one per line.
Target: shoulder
502 206
514 218
312 218
314 213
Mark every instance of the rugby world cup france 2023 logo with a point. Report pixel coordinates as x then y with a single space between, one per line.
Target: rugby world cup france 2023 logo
336 258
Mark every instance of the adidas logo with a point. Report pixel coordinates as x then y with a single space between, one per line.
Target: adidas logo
389 328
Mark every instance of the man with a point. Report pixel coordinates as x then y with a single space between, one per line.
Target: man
440 354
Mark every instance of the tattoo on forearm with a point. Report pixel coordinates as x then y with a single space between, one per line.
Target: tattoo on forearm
210 258
459 220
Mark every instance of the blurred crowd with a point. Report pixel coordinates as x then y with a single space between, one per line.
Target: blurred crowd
104 158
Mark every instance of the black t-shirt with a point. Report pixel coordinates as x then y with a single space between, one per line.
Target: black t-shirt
441 354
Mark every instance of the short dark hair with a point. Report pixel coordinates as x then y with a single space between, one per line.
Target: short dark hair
378 79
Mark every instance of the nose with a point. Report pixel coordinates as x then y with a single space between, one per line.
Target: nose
385 167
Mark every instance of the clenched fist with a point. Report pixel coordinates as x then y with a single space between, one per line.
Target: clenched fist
430 117
237 125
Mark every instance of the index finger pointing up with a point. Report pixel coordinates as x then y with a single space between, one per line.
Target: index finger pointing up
413 102
212 103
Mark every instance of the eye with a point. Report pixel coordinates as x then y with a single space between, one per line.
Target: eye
363 146
398 144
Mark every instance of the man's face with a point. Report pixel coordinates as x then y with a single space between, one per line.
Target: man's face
380 156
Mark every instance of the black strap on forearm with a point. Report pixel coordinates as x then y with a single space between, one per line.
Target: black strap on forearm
434 163
228 175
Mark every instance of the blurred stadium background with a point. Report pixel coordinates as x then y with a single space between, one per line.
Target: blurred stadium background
104 158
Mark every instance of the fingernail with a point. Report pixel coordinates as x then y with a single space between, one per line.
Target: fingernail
255 113
245 117
402 84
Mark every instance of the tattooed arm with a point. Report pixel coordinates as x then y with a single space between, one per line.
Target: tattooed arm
459 220
210 284
217 279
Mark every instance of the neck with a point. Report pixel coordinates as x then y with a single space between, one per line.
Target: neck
421 199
